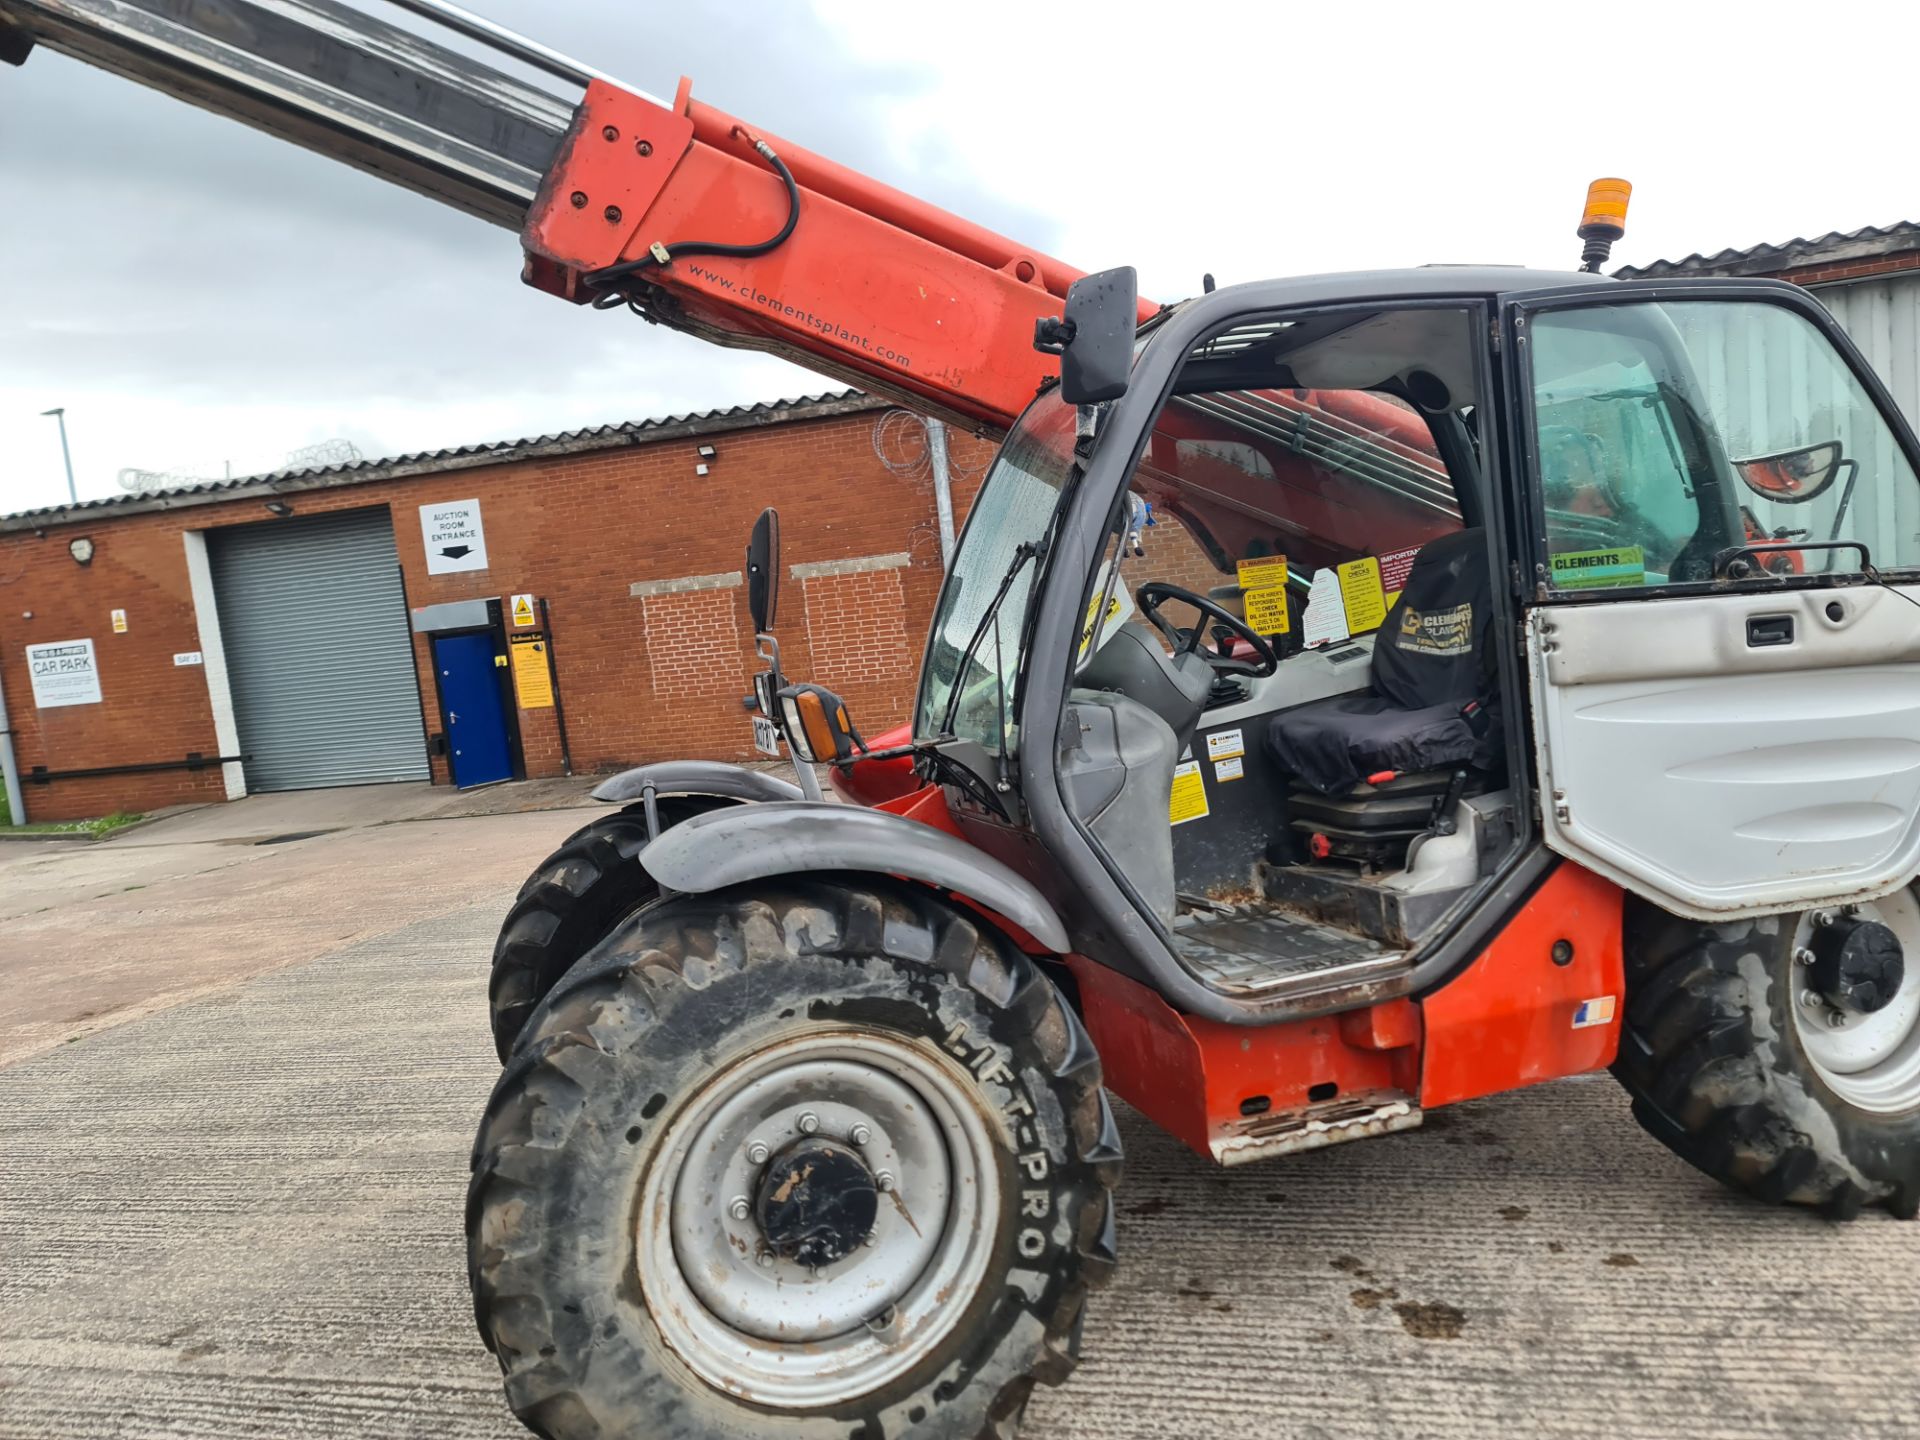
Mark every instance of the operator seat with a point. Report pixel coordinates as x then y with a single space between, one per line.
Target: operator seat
1429 708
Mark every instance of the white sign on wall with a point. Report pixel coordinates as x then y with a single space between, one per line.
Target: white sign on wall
64 673
454 539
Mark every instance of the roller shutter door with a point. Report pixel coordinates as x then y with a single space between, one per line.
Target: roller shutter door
319 657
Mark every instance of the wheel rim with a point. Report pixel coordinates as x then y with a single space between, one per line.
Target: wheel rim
754 1320
1870 1061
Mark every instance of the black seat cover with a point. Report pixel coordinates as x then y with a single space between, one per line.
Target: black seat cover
1430 658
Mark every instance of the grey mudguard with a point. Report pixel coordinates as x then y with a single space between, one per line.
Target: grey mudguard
696 777
755 842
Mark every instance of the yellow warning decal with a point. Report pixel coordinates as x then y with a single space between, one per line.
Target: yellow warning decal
532 673
1361 594
523 609
1263 588
1189 793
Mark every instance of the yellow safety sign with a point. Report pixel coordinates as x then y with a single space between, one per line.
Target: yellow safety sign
1189 801
1362 595
532 674
1263 594
523 610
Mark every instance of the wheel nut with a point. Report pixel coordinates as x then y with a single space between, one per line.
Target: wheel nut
860 1135
1836 1019
757 1153
1809 999
884 1181
740 1209
808 1122
1824 918
1803 956
766 1260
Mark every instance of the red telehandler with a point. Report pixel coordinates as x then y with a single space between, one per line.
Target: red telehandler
1350 695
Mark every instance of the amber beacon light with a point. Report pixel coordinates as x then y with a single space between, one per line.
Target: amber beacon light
1603 221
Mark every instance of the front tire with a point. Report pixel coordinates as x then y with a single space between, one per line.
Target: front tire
570 903
637 1265
1741 1069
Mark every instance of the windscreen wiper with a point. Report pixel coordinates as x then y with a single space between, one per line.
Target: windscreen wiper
1022 553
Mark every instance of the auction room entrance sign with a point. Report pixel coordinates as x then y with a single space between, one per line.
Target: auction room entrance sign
64 673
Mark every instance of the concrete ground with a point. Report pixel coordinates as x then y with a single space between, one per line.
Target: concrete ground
235 1210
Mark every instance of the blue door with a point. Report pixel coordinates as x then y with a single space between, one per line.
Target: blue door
470 700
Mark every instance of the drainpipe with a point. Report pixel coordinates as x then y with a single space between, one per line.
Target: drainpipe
9 768
942 489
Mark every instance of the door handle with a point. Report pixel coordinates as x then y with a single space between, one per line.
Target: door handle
1769 630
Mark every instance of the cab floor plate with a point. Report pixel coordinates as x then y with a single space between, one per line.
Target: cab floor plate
1258 950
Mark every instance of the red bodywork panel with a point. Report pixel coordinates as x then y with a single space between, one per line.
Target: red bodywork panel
874 782
1506 1021
1191 1076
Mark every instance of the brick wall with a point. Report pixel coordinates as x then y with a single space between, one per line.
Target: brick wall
646 671
1853 269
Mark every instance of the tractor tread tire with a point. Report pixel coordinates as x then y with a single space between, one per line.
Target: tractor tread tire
629 993
1711 1055
573 899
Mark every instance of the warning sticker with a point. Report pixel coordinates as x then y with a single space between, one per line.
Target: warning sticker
1593 1012
1360 593
1225 744
523 609
1395 566
1326 618
1595 569
1229 769
1263 587
119 619
1189 800
1119 608
532 676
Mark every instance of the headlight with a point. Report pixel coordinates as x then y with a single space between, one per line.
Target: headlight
796 729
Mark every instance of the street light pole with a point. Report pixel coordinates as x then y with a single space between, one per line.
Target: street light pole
59 413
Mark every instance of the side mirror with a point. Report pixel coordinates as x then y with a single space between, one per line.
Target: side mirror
763 570
817 724
1095 338
1793 477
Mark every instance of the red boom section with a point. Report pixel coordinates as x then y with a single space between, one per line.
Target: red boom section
873 286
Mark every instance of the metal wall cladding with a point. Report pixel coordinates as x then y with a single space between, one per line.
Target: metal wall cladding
313 617
1766 378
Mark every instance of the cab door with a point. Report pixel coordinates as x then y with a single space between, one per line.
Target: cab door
1723 608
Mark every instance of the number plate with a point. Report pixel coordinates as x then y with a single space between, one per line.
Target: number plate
766 736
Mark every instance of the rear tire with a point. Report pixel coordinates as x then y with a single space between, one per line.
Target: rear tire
1719 1063
608 1253
570 903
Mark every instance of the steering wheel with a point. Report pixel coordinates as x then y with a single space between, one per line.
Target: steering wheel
1150 596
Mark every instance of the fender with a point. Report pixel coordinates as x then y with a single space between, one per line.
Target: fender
695 777
756 842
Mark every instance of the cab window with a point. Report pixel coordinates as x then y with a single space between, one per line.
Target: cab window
1667 435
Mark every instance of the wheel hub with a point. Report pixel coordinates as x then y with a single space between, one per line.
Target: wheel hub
1858 965
817 1203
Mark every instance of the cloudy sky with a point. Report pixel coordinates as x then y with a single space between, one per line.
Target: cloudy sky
200 296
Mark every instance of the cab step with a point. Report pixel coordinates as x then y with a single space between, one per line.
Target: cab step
1351 1117
1262 950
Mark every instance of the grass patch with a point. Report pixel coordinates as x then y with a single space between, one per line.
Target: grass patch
103 825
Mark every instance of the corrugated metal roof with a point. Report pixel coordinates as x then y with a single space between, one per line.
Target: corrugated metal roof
424 462
1869 243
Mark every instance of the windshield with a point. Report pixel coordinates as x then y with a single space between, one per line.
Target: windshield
1013 510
